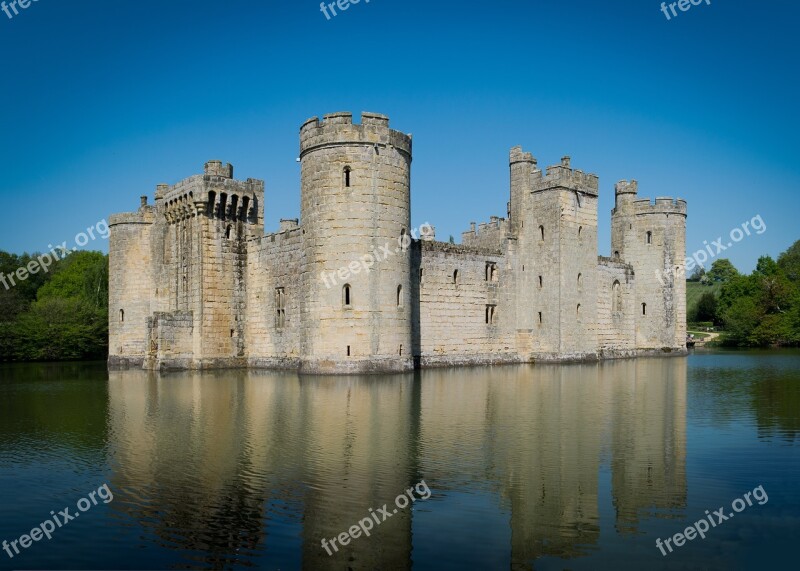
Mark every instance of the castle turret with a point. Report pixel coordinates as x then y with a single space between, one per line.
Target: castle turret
652 238
560 248
355 209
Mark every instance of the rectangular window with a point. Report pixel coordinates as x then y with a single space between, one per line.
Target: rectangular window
491 272
280 307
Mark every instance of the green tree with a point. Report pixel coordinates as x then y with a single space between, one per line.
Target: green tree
722 270
789 262
707 308
64 317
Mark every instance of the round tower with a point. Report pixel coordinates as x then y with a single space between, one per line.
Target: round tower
623 218
356 216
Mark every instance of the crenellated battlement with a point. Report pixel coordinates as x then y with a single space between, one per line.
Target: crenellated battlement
217 168
563 176
339 129
625 187
517 155
662 205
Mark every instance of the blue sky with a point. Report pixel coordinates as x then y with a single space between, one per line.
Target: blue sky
103 100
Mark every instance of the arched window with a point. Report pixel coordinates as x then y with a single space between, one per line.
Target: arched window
644 309
580 231
578 309
346 177
649 237
122 316
580 280
400 296
347 298
541 232
616 254
455 277
228 232
616 297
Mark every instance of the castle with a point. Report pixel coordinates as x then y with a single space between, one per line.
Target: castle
352 288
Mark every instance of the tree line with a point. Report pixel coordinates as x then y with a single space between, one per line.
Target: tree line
757 310
60 314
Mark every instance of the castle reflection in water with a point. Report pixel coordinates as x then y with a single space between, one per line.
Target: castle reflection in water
231 467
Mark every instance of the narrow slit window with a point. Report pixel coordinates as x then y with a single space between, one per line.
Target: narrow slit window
122 316
455 277
541 282
644 309
347 296
400 296
649 237
540 318
541 232
347 177
348 350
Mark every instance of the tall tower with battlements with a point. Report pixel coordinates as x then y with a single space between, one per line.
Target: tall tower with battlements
356 214
652 238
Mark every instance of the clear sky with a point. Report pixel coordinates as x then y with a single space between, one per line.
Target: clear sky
102 100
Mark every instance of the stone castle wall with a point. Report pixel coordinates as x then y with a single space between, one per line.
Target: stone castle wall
195 283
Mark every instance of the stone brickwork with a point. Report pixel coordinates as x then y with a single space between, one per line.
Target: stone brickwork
196 284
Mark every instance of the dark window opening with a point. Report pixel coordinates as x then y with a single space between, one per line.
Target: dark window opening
540 318
455 277
400 296
644 309
348 350
490 314
122 316
347 177
346 297
212 197
541 232
649 237
228 232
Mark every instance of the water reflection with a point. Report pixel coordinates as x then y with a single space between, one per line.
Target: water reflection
238 468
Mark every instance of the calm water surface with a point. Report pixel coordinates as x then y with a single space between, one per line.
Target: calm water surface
546 467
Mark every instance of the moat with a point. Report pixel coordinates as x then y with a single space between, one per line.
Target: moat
547 467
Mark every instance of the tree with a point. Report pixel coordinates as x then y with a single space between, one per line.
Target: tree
707 308
789 262
57 315
722 270
697 274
